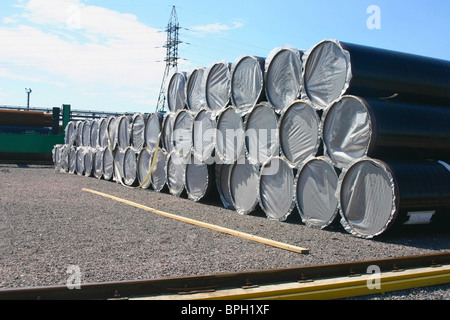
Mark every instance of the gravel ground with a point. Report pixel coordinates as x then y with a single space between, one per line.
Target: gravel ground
48 224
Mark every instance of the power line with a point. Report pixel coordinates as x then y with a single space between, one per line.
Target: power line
172 57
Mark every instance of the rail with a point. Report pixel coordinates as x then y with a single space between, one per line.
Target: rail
432 269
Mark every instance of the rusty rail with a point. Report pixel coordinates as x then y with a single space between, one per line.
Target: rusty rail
187 285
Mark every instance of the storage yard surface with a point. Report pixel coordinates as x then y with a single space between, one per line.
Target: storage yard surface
48 224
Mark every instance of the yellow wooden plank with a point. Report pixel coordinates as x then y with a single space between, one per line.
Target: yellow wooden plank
243 235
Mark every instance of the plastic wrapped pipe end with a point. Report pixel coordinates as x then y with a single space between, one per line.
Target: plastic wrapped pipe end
130 166
197 179
316 196
176 173
276 189
243 186
368 198
204 135
347 131
176 92
195 90
98 163
283 79
143 167
158 176
153 127
138 131
182 133
222 175
299 132
261 134
247 82
230 136
327 73
218 86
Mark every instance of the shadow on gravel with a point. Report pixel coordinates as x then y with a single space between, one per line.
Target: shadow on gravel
425 238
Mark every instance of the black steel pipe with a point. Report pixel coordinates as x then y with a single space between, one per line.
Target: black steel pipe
355 127
335 68
378 197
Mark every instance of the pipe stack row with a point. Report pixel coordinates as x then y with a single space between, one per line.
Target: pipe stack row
340 132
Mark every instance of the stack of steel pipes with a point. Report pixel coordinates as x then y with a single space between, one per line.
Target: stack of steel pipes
385 126
342 133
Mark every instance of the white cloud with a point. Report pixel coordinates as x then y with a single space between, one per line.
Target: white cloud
217 27
2 93
67 41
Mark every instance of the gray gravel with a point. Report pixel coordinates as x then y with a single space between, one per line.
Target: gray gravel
48 224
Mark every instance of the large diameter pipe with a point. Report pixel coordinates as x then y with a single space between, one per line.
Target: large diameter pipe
230 136
138 131
299 132
130 167
283 77
60 157
79 164
144 164
153 127
124 132
182 133
199 179
108 165
102 133
355 127
243 186
167 132
119 155
176 171
70 135
88 162
204 135
261 133
95 134
377 197
196 90
247 82
113 125
72 159
86 133
176 92
276 189
218 86
158 176
335 68
222 173
98 163
316 188
25 118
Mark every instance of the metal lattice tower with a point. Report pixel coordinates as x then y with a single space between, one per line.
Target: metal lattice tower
172 57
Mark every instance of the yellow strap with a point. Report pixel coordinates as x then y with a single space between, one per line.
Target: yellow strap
155 158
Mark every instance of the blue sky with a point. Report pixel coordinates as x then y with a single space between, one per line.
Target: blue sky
105 55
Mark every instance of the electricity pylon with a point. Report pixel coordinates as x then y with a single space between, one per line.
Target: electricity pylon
173 32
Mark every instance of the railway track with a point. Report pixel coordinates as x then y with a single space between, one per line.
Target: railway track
320 282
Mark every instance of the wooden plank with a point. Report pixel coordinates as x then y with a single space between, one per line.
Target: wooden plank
243 235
